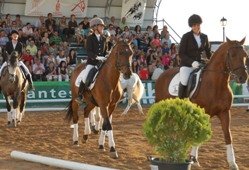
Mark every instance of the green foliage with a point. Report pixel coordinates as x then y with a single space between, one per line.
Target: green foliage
174 125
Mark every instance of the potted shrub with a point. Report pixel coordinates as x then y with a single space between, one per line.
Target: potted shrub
172 126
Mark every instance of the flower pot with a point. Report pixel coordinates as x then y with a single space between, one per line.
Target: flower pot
157 164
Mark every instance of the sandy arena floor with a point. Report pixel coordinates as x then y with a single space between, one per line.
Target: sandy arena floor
47 134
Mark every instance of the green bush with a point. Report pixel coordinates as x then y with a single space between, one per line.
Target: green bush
174 125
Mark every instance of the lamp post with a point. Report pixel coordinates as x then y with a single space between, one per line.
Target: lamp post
223 22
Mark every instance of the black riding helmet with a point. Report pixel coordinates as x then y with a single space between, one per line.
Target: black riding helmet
194 19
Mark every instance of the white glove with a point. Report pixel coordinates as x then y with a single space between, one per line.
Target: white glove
100 58
196 64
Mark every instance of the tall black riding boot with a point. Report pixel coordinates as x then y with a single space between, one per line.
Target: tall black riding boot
29 78
80 92
182 91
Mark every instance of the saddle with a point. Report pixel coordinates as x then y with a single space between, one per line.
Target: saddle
92 75
192 85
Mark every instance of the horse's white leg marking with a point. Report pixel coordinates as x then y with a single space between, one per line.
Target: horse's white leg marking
87 130
9 116
127 108
75 132
102 137
14 116
231 157
110 118
111 142
91 116
98 119
194 151
140 108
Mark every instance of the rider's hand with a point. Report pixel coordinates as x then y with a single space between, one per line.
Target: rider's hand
196 64
101 58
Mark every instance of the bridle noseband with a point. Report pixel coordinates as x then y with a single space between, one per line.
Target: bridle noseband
229 69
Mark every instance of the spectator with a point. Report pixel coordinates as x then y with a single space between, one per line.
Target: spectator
72 25
157 72
61 57
144 73
27 30
122 23
45 38
38 70
18 21
51 73
156 42
55 38
39 22
32 47
63 71
79 33
50 21
3 38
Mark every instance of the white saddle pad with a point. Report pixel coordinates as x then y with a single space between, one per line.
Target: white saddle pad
174 84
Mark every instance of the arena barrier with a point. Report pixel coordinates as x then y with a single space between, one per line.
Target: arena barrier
55 162
55 96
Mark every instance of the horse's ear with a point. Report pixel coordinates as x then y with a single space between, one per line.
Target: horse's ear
242 41
227 39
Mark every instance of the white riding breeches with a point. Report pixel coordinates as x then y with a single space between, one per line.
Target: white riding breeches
184 74
20 63
83 75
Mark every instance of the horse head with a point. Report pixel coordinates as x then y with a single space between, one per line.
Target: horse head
123 53
12 65
236 60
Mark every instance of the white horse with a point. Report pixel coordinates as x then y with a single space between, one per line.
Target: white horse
134 91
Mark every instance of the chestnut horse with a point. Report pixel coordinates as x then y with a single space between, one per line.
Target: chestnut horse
213 92
105 93
14 86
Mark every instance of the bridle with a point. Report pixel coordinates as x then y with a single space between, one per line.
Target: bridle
120 53
229 69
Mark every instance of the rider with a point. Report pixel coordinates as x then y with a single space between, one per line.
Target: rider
192 46
96 51
15 45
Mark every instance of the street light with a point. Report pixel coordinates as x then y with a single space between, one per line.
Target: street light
223 22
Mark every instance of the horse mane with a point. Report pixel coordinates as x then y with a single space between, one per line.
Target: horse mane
13 59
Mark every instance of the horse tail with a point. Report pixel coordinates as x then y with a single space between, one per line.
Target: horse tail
69 115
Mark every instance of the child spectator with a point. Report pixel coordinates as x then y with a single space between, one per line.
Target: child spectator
63 72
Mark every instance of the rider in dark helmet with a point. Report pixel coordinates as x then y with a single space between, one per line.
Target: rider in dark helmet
96 52
192 46
194 19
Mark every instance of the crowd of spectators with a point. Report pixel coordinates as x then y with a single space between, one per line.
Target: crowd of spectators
48 56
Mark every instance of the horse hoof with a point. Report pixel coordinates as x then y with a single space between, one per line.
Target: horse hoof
194 161
101 148
114 155
233 167
95 131
76 143
85 138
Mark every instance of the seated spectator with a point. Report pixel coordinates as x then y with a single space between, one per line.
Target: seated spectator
79 33
38 70
3 38
18 21
156 41
126 34
53 49
111 29
72 25
47 59
60 57
113 22
55 38
51 72
27 30
63 72
157 72
32 47
50 21
27 57
144 73
122 23
72 59
45 38
63 27
39 22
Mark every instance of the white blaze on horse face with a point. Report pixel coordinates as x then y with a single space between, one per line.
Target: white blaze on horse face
75 132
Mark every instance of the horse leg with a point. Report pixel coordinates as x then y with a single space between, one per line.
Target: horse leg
225 124
9 119
92 120
127 108
98 120
107 129
22 105
194 156
87 130
74 109
139 107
